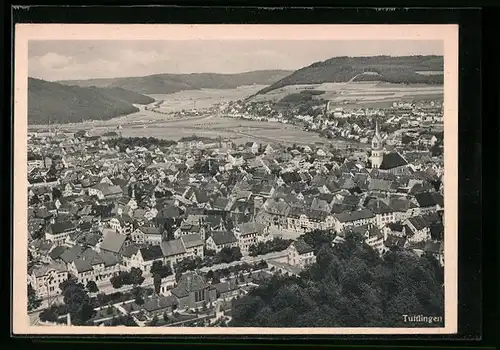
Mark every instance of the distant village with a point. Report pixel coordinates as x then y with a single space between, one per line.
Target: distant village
170 233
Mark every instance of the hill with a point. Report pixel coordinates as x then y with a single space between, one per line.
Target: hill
404 69
170 83
69 104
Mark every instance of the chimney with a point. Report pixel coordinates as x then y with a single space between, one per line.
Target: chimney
68 322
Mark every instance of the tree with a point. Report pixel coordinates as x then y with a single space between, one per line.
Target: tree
49 315
92 287
56 193
136 276
317 238
77 301
109 310
348 286
33 301
154 321
241 278
139 300
157 283
117 281
159 269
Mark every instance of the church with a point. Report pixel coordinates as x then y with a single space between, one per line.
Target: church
384 161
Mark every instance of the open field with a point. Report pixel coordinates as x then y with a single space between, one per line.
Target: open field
203 98
359 94
240 131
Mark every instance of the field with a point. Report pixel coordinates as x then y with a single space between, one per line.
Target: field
359 94
239 131
204 98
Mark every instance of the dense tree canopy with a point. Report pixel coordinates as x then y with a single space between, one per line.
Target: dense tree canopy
275 245
130 142
33 301
77 302
134 277
349 286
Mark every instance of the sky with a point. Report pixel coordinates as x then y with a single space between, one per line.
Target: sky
83 59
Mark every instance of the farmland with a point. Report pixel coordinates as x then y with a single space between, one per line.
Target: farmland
358 94
240 131
203 98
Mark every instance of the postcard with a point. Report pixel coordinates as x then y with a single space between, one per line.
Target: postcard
235 179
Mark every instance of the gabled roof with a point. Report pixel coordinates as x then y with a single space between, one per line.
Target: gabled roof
223 237
151 230
423 221
189 282
191 241
153 252
377 206
113 241
159 303
354 215
429 199
173 247
302 247
61 227
250 227
392 160
57 252
45 269
82 265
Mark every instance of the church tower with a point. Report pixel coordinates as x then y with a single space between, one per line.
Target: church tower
377 148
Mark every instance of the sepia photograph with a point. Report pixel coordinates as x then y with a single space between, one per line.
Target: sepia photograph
235 179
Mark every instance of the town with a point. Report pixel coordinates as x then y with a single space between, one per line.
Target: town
151 232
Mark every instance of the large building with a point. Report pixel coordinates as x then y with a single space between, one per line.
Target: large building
383 160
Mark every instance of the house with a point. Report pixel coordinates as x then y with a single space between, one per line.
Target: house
112 241
59 231
105 191
418 228
145 257
173 251
90 265
403 208
303 220
253 147
250 233
217 240
383 213
193 292
429 201
40 249
193 244
300 254
227 290
353 218
147 234
372 235
157 305
45 278
186 228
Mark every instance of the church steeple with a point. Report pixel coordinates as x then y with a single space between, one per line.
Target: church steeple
377 139
377 148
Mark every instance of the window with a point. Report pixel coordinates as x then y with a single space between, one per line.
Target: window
199 296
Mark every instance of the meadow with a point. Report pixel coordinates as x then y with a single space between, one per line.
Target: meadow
203 98
359 94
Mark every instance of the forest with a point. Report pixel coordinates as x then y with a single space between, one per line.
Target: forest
57 103
400 70
350 285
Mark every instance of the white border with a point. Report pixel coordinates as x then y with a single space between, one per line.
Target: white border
25 32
